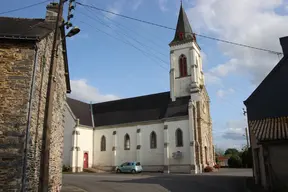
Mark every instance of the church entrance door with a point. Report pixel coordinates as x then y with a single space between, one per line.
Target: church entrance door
85 160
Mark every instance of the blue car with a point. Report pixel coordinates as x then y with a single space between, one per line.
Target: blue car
129 167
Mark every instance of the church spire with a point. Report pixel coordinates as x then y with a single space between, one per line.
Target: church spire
183 30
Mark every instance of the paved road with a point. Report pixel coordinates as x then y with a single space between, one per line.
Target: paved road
224 181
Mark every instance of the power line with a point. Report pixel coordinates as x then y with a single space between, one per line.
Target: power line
28 6
126 42
123 27
128 36
170 28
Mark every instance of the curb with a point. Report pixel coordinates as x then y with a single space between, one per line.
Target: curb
70 188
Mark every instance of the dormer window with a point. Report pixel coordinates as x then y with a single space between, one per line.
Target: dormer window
183 66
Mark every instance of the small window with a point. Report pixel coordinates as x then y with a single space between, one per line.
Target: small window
153 140
127 142
183 66
103 143
179 138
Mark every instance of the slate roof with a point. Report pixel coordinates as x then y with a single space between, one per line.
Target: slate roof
183 26
132 110
22 28
270 129
81 110
269 99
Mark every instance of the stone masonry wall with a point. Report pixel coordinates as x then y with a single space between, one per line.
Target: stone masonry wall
16 68
37 121
57 133
16 65
205 129
37 115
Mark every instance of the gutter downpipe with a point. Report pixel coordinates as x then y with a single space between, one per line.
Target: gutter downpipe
27 134
92 119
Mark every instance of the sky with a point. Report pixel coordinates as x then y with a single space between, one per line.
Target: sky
113 57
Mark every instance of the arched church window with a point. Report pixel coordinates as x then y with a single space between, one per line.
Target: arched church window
103 143
127 142
179 138
153 140
183 65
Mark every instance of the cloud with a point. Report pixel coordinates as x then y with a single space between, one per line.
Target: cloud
136 4
211 79
232 136
81 90
235 130
221 93
163 5
260 26
115 7
204 57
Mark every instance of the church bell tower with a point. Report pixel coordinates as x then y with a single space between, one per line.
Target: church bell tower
186 74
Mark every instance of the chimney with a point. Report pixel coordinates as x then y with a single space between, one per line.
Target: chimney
284 44
51 12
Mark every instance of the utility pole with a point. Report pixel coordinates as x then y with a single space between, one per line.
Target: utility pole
247 137
45 156
246 129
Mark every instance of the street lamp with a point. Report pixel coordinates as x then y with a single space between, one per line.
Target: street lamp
75 30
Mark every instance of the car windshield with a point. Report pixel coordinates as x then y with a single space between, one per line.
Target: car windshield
138 164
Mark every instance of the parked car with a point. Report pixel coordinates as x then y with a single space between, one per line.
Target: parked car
129 167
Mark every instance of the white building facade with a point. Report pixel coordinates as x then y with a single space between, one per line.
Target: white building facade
170 131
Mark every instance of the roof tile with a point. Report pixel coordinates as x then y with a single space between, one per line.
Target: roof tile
270 128
23 28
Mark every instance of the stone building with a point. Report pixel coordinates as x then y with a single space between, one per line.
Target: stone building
267 111
168 131
25 52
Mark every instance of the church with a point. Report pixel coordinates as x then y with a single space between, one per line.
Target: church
169 131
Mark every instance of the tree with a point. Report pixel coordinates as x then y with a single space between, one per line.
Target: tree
235 162
219 151
231 151
247 160
217 160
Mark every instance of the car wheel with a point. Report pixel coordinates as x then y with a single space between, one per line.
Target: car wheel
118 171
133 171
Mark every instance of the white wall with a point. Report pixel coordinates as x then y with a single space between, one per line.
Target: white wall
152 156
126 155
148 157
103 158
68 137
172 127
85 142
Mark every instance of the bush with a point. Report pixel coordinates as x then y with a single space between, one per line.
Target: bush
217 166
234 161
208 169
66 168
217 160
